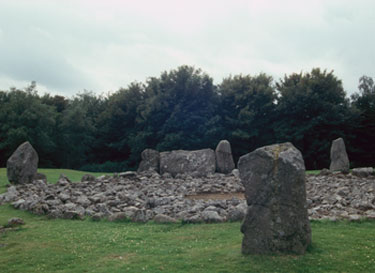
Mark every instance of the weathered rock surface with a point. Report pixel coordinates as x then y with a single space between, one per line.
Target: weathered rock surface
333 196
15 222
224 157
88 177
139 197
339 157
150 161
339 196
162 219
277 217
22 165
198 163
363 172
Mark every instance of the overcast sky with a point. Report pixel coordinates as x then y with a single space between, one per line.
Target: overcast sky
71 46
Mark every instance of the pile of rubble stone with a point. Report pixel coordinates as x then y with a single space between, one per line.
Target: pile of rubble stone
143 196
139 197
340 196
162 188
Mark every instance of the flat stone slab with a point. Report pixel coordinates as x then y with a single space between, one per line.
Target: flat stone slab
198 163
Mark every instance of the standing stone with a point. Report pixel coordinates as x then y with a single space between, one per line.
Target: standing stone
339 157
277 217
22 166
224 158
198 163
150 161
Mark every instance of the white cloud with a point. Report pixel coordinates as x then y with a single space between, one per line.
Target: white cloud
68 46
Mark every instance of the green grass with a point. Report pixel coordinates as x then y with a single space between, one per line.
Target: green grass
52 176
313 172
44 245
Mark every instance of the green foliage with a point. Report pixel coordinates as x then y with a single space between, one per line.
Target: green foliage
78 129
107 166
183 109
312 110
23 117
363 125
118 124
52 175
179 108
247 109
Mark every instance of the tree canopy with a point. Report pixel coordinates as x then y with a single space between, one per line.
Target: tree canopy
184 109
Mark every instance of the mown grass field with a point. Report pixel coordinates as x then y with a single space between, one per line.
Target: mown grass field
44 245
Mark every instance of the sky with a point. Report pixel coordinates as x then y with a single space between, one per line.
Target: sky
71 46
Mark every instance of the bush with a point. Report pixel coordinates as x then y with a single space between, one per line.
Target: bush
107 166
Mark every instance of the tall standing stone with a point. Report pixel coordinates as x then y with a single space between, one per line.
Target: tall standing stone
150 161
22 166
224 158
339 157
277 217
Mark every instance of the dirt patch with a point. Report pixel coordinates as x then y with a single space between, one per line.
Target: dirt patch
216 196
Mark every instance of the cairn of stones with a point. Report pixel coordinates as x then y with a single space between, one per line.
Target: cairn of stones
277 217
192 197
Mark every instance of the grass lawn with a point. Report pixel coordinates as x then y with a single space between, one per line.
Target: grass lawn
52 176
44 245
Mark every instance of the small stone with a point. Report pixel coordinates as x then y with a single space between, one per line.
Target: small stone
354 218
15 222
210 216
195 219
325 172
64 197
139 216
237 213
129 174
363 172
117 217
40 176
162 218
63 177
236 173
97 216
18 203
88 177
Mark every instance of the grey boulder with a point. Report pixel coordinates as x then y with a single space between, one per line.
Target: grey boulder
150 161
224 158
363 172
277 216
162 218
22 166
198 163
339 157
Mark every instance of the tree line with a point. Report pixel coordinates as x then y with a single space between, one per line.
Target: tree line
184 109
